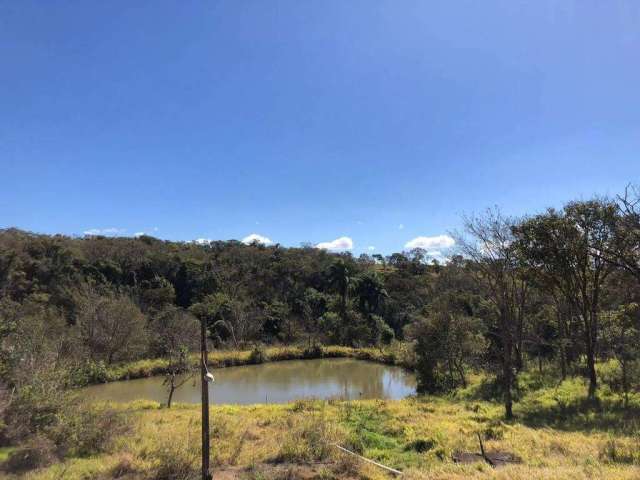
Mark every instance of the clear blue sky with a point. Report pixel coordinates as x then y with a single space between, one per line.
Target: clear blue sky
305 121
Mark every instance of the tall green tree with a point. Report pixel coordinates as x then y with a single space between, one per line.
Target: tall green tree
563 249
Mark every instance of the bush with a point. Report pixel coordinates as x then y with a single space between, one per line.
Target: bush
36 406
313 351
84 430
421 445
88 373
44 415
38 452
258 355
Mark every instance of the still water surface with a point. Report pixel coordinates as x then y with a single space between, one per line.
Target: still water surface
276 382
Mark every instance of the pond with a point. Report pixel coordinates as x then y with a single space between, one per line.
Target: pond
276 382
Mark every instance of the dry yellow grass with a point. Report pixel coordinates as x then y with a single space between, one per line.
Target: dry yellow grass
417 436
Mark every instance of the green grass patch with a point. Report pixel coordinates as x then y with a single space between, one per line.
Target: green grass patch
5 452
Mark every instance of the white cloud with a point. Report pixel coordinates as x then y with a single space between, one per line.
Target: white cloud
105 231
342 243
401 226
254 237
431 243
371 248
202 241
139 234
437 255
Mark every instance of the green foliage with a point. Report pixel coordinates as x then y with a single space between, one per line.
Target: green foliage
258 355
89 372
446 344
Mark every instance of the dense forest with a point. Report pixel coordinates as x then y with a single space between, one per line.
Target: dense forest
559 289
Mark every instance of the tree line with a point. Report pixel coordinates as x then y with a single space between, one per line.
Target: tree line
559 288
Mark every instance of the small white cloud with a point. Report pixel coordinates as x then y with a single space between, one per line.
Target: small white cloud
431 243
139 234
202 241
342 243
254 237
360 222
401 226
371 248
105 231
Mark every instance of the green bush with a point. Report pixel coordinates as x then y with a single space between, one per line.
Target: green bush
258 355
88 373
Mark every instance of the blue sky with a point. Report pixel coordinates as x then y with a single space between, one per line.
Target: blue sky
308 121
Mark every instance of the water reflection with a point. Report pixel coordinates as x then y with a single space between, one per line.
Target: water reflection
276 382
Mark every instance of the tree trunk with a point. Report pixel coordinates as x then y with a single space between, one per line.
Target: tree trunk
590 342
591 368
539 363
507 369
172 388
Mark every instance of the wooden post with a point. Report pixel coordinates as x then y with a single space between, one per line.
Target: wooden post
206 474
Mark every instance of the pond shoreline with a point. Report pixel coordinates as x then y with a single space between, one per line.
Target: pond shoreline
273 382
397 355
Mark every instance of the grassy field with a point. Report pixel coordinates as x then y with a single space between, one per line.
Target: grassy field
556 435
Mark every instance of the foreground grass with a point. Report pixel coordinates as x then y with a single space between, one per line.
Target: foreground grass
396 354
555 435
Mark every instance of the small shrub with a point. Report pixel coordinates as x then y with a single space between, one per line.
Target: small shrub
258 355
493 431
313 351
421 445
85 430
88 373
355 443
125 466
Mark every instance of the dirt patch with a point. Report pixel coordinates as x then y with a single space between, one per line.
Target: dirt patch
495 458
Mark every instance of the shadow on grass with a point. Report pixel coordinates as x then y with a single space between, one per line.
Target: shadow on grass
541 400
581 414
566 406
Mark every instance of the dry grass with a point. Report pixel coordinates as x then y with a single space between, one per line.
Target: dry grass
556 434
417 435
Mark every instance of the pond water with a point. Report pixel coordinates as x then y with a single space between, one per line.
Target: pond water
276 382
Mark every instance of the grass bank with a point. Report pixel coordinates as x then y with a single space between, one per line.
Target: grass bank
555 435
395 354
